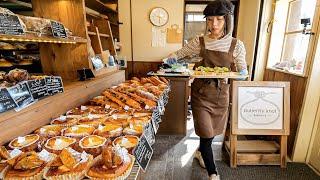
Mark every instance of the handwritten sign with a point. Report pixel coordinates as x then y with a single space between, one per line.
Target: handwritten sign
6 102
54 85
10 24
21 95
58 30
143 152
260 108
38 88
149 133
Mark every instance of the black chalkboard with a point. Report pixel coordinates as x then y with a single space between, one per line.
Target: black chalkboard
6 102
54 84
38 88
21 95
10 24
149 133
143 152
58 30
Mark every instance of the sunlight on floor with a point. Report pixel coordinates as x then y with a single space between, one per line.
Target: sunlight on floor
192 146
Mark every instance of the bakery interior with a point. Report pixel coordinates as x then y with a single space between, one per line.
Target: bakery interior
86 91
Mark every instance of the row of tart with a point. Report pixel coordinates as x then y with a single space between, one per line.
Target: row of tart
106 129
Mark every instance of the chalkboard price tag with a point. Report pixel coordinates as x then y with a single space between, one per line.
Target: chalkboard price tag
58 30
21 95
149 133
155 125
10 24
38 88
6 102
54 85
143 153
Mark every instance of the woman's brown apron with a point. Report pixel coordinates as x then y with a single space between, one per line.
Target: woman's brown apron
210 97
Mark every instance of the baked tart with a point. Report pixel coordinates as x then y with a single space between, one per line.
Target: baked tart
29 165
114 163
124 122
98 111
64 121
128 141
91 120
109 130
135 129
49 131
93 144
25 143
142 120
78 131
4 156
98 101
56 144
70 164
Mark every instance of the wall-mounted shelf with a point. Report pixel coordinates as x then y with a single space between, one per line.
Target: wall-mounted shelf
101 34
99 6
42 39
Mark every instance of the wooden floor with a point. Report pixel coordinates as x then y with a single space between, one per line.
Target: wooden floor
173 160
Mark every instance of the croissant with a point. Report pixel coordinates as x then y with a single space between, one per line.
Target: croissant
146 94
155 80
164 80
141 100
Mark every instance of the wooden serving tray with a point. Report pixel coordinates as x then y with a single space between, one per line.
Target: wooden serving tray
231 75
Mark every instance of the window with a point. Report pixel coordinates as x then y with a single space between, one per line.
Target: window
291 41
191 17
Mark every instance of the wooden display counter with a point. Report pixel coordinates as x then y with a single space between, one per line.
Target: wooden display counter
174 120
20 123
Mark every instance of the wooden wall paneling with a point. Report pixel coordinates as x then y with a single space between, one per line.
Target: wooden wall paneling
104 27
297 90
140 69
20 123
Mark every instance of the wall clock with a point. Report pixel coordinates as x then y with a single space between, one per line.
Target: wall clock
159 16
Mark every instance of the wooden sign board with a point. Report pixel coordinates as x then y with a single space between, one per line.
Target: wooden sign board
261 108
58 30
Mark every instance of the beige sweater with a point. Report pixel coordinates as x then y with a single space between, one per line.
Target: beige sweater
223 45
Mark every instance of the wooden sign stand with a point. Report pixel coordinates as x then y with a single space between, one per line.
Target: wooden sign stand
270 115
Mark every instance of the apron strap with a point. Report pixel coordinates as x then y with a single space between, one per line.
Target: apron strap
232 47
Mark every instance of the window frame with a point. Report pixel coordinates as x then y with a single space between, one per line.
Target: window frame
311 45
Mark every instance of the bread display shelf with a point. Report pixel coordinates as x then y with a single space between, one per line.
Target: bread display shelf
41 39
40 113
98 6
100 34
230 75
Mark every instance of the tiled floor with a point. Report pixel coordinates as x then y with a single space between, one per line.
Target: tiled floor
173 160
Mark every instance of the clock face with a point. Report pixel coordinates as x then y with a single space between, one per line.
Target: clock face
159 16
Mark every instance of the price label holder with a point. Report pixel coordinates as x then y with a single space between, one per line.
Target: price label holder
58 30
6 101
143 153
21 95
10 25
38 88
150 133
54 85
155 125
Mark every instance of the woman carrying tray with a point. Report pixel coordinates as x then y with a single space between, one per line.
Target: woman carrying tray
210 97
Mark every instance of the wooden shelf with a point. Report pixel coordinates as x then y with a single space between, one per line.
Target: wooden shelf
97 5
24 122
95 14
42 39
101 34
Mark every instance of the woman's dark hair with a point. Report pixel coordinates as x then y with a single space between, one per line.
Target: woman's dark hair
218 8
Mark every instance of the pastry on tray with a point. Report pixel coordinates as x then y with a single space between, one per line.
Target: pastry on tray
114 163
64 121
69 165
91 120
128 141
49 131
93 144
109 130
25 143
78 131
29 165
135 129
78 112
56 144
98 101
